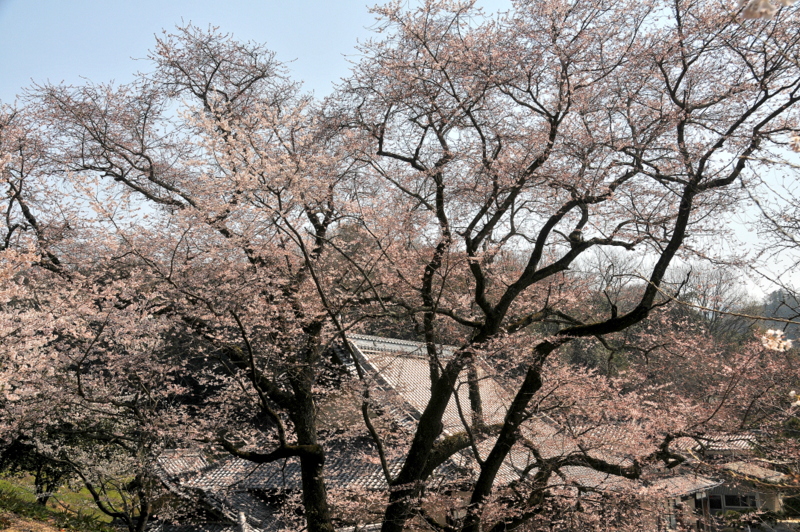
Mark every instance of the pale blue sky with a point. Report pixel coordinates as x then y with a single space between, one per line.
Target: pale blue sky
64 40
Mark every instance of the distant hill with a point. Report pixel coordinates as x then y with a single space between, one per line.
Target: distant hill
782 304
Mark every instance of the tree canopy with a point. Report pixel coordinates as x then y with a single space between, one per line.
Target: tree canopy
180 254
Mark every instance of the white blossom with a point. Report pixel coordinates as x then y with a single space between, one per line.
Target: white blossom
795 399
754 9
773 340
794 142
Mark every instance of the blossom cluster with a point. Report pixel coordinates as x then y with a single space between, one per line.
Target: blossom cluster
754 9
795 399
773 340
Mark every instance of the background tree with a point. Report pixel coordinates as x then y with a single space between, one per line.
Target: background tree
19 457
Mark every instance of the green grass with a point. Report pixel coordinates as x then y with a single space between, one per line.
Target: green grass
72 510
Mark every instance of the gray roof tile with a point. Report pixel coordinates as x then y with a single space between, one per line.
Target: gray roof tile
401 369
683 485
343 470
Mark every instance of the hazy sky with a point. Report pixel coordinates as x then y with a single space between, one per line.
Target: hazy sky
64 40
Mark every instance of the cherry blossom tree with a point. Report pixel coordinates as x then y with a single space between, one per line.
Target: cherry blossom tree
180 253
563 128
178 261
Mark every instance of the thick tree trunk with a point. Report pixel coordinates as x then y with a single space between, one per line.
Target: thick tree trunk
315 498
508 436
304 416
407 485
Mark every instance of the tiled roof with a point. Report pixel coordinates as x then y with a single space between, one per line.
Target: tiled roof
392 345
716 443
343 470
683 485
404 367
401 369
757 472
512 468
232 503
587 477
180 462
194 527
374 527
